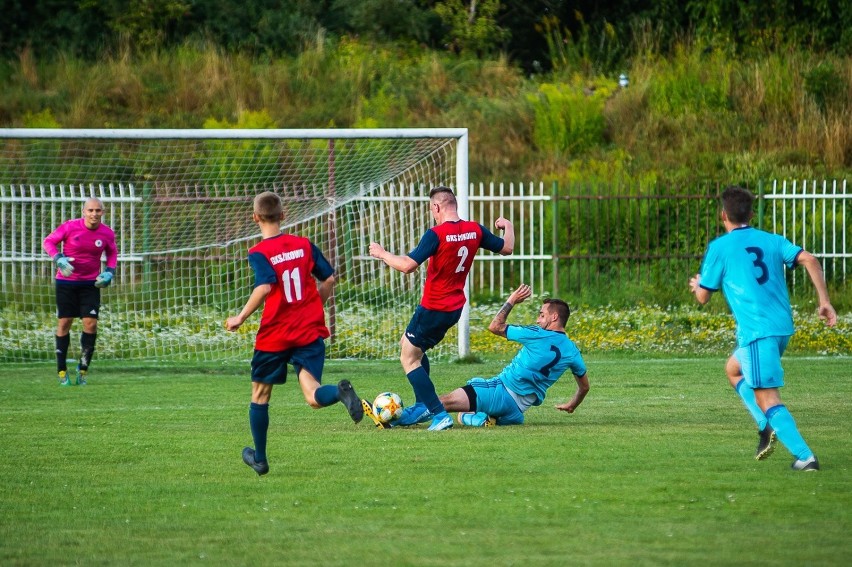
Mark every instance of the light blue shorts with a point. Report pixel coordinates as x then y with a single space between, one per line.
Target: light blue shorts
493 398
760 361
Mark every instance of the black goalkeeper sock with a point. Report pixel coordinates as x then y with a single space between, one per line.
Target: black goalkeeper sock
87 344
62 344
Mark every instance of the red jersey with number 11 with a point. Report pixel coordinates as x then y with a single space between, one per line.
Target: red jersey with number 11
293 313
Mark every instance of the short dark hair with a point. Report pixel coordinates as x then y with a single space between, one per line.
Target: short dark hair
737 203
267 206
443 194
561 308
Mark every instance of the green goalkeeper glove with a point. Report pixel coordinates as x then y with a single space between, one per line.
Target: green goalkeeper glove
105 278
63 262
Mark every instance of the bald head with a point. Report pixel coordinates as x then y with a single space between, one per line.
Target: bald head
93 211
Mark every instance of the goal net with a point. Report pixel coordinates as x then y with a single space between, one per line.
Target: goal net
180 203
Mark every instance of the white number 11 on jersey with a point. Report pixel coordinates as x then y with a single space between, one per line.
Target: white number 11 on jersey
292 282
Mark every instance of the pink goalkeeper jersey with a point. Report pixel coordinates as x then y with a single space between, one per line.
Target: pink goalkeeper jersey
87 247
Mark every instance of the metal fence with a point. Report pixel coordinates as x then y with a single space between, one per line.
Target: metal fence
568 239
588 239
815 215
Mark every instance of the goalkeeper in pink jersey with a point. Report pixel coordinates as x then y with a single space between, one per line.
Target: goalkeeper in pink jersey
85 243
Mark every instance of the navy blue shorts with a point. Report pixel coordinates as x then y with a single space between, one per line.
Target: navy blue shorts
77 300
271 367
427 328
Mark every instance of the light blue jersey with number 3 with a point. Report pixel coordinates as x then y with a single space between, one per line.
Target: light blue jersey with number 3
542 360
748 265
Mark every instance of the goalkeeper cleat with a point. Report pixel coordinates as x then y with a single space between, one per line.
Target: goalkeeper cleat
807 465
261 468
81 377
412 415
475 419
368 411
441 421
350 399
766 443
64 380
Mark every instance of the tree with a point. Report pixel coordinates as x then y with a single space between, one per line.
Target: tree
472 27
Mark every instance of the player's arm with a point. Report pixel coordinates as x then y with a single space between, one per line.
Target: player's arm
111 255
508 235
404 264
498 325
51 241
323 272
105 278
579 395
826 310
325 287
51 246
255 300
702 295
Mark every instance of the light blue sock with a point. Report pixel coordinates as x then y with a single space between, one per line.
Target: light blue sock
747 395
326 395
424 390
259 422
785 428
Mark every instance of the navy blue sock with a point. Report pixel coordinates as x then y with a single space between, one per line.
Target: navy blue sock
424 362
424 390
326 395
259 422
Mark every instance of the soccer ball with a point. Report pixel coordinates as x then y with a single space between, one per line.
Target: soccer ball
387 406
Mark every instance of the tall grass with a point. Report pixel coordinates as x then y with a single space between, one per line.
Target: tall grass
695 115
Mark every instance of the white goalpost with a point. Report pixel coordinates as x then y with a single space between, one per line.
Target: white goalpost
180 201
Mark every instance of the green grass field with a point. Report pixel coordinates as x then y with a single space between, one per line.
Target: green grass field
142 467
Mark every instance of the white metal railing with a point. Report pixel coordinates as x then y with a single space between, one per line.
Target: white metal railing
814 215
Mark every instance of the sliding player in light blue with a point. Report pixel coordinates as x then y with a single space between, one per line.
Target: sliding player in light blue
546 354
748 264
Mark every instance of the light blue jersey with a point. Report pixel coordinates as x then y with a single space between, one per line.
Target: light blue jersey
542 360
748 265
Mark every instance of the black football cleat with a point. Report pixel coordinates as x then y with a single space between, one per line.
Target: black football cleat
248 458
350 399
766 443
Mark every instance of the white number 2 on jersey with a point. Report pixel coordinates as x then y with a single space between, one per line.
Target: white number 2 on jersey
463 252
292 282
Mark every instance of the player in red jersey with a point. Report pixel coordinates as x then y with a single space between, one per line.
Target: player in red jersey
85 243
450 247
292 326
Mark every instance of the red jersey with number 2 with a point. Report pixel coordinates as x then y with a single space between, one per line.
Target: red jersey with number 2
293 313
450 264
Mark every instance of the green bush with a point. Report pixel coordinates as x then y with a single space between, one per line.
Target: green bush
568 118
